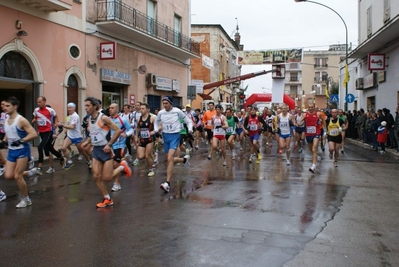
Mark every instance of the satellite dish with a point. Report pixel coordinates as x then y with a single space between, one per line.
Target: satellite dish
142 69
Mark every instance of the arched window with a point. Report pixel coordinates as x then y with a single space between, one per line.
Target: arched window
14 65
72 81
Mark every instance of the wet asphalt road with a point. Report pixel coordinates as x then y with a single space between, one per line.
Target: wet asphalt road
265 214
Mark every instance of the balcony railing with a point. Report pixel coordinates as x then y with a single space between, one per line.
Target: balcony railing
294 79
321 66
127 15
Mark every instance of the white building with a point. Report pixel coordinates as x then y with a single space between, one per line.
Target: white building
378 34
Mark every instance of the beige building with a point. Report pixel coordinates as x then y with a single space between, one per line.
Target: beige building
307 81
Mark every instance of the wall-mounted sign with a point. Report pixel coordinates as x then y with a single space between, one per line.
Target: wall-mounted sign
376 61
381 76
176 86
199 86
107 50
132 99
115 76
207 62
370 80
163 83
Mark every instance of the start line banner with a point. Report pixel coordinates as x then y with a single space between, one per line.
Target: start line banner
269 56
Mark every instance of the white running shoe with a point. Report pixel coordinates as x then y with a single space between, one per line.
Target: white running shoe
151 173
288 162
50 170
2 196
31 163
312 168
187 151
2 170
80 157
34 171
116 188
187 157
24 203
224 163
165 187
233 155
136 162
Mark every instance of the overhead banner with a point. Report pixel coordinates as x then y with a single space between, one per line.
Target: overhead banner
269 56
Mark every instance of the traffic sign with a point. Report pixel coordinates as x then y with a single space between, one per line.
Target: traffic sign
334 98
349 98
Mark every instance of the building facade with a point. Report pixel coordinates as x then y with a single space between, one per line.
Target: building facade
218 62
374 68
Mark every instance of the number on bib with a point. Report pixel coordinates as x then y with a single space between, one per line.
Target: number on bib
311 129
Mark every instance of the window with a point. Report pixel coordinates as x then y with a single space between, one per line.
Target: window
387 10
294 90
178 29
320 62
152 16
74 51
369 22
294 77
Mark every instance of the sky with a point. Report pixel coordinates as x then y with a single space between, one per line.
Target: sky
279 24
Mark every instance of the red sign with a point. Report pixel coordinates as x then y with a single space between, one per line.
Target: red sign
132 99
376 62
107 50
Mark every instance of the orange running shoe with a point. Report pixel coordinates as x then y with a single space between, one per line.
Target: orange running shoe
126 168
280 151
106 202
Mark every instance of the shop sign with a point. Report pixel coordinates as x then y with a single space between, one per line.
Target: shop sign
176 86
114 76
163 83
376 61
107 50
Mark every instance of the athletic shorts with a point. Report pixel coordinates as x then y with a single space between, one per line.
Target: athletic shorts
119 153
285 136
14 155
100 155
309 139
183 137
239 130
170 141
200 129
219 137
254 137
336 139
75 141
209 134
299 130
145 142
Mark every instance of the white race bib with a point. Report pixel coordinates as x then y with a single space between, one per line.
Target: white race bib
145 134
311 129
41 122
334 132
253 127
229 130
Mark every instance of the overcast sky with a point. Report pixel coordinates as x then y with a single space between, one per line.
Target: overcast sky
278 24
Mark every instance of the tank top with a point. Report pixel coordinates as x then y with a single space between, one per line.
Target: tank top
240 122
333 127
98 132
312 122
253 127
218 121
14 134
232 125
298 119
145 128
284 124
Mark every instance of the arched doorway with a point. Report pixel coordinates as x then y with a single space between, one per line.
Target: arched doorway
72 91
16 79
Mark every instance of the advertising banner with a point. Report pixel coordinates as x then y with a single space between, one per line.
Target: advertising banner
269 56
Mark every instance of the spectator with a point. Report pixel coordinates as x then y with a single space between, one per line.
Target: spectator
397 127
373 128
390 126
382 136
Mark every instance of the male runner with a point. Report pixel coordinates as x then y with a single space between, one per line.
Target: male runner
335 126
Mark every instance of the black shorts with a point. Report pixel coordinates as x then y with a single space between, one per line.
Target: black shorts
209 134
119 153
100 155
336 139
200 129
145 142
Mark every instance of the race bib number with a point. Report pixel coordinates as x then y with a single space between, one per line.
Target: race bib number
41 122
209 122
219 131
229 130
311 129
253 127
334 132
145 134
284 124
168 127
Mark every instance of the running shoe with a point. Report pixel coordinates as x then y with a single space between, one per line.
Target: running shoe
300 150
80 157
156 157
38 171
288 162
250 158
24 203
280 151
187 151
2 196
126 168
224 163
31 163
116 188
151 173
187 157
240 148
165 187
72 153
209 157
106 202
382 152
312 169
335 164
267 144
136 162
259 156
233 155
2 170
68 165
62 161
342 151
196 147
50 170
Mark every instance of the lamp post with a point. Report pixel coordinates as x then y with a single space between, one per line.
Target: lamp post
346 39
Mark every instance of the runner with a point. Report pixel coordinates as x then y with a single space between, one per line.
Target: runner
44 117
343 117
240 129
269 128
219 126
171 127
135 117
145 136
19 133
312 120
99 126
335 126
231 132
284 122
251 126
199 128
207 120
3 195
276 130
128 116
299 130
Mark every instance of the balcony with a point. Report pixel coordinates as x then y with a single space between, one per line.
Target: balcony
46 5
293 80
321 80
320 66
293 67
117 18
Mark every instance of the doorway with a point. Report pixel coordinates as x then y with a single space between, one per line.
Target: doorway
72 92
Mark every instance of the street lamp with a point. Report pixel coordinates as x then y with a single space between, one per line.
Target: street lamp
346 40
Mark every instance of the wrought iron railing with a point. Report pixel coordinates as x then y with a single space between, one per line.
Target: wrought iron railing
127 15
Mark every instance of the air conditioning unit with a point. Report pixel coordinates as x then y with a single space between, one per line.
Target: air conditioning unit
151 79
359 83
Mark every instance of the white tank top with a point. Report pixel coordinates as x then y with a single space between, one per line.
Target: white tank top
98 132
218 121
13 133
284 124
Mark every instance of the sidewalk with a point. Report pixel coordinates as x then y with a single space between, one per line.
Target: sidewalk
391 151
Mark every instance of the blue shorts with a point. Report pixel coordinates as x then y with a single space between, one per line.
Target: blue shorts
285 136
239 130
171 141
309 139
100 155
75 141
254 137
14 155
